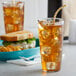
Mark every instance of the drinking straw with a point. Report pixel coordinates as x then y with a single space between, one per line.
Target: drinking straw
57 13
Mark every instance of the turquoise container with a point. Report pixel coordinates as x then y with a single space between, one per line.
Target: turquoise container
23 53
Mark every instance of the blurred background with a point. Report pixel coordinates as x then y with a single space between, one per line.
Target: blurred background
36 9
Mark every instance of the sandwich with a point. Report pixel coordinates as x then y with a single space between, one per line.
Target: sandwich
25 39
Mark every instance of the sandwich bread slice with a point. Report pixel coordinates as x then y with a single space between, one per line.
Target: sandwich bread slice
15 36
24 38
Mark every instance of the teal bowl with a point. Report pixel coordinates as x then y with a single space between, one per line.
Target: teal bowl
23 53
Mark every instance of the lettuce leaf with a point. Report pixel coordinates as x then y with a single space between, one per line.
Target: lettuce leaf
6 43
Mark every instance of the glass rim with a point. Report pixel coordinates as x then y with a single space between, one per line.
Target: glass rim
6 2
59 22
51 18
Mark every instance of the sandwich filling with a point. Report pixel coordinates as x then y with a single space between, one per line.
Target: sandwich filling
25 44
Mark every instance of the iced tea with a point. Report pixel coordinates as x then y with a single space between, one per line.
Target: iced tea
13 16
50 37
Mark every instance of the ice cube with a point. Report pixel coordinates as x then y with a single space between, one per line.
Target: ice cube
54 41
56 38
46 50
45 34
49 23
56 31
15 12
44 22
16 20
20 4
10 27
7 11
51 65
